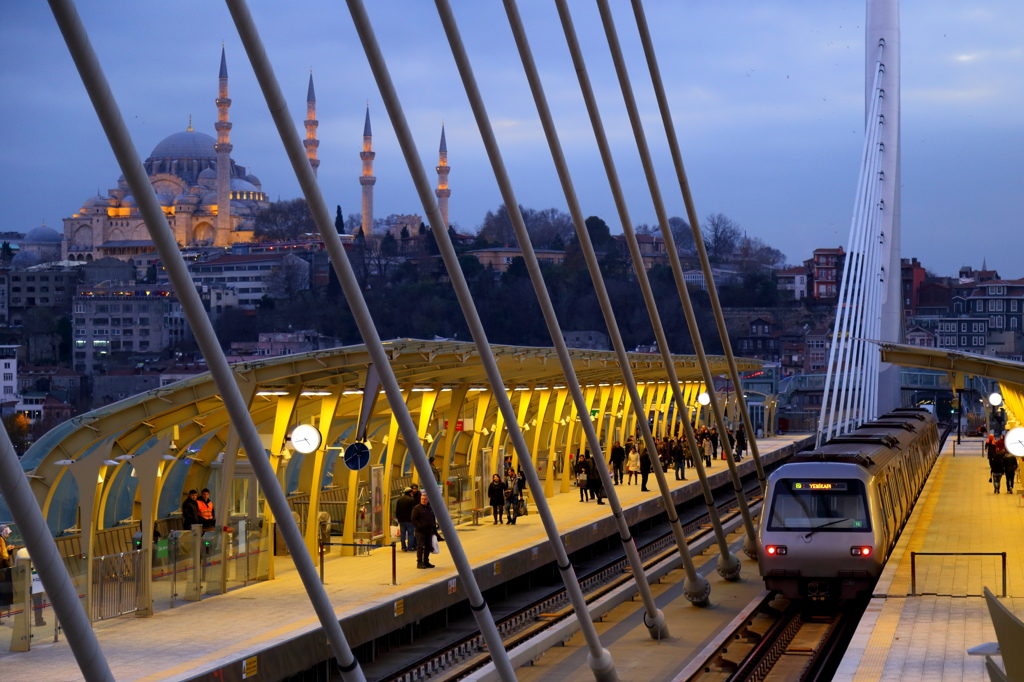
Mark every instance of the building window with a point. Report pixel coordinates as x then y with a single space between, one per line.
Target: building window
8 376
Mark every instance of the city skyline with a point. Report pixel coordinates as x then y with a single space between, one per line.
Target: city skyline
768 103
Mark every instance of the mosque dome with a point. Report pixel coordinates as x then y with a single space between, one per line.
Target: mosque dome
239 185
188 144
96 202
253 179
208 174
26 259
42 235
128 201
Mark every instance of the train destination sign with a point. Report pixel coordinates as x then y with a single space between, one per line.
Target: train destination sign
819 485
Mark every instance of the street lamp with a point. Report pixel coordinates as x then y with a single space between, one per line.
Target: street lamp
996 420
703 400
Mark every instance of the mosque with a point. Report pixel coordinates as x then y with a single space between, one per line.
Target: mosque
208 199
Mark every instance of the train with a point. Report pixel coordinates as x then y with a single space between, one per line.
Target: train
832 515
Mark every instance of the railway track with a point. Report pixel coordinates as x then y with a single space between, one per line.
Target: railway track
467 655
779 640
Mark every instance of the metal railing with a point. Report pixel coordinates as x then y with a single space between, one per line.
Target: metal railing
115 584
913 567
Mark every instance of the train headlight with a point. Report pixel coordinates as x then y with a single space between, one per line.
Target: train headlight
860 551
775 550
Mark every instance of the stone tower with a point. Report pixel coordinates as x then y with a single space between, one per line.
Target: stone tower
311 143
442 191
366 179
223 149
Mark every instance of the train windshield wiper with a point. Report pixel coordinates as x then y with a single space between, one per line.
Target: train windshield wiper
824 525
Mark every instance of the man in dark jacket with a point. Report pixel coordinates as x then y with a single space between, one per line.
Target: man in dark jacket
618 460
403 514
425 526
190 511
645 469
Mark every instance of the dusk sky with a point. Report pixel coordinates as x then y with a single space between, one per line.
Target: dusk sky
767 98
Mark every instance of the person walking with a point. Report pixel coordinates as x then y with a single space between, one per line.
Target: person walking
645 469
632 465
1009 471
190 510
595 486
403 514
496 496
425 526
996 465
618 461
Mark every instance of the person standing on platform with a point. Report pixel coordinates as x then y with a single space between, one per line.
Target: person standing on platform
679 458
1010 471
741 442
190 511
496 496
632 464
425 524
6 577
403 514
645 468
714 442
513 495
708 453
618 461
206 515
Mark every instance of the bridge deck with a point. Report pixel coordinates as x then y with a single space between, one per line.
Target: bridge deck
926 637
210 638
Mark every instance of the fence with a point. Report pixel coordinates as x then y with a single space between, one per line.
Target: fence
115 584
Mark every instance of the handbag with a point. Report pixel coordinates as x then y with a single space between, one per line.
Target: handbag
508 494
434 547
581 480
521 511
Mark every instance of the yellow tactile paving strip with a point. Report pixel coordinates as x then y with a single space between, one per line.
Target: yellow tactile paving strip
906 638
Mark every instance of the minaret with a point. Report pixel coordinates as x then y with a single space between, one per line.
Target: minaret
442 190
311 143
366 179
223 148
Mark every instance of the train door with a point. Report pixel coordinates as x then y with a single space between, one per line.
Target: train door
886 506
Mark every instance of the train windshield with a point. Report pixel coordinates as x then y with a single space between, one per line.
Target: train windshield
819 505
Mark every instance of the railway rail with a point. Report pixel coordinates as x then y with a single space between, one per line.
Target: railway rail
467 655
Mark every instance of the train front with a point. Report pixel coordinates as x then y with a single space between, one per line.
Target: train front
817 536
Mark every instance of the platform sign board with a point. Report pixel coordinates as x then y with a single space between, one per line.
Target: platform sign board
249 668
377 502
357 456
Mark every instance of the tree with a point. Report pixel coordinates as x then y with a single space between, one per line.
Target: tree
339 221
284 220
754 255
497 229
288 279
683 235
600 235
721 236
17 426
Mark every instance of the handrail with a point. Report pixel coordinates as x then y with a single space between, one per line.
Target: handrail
913 567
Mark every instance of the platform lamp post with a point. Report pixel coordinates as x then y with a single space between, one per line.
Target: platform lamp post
703 400
995 421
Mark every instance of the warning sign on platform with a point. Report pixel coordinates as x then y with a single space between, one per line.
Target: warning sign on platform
249 668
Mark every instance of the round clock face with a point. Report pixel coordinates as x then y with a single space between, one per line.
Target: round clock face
1015 441
305 438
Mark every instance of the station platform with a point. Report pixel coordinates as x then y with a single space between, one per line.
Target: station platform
926 637
270 621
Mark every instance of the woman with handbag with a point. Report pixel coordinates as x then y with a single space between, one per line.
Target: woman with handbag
496 495
632 465
582 473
